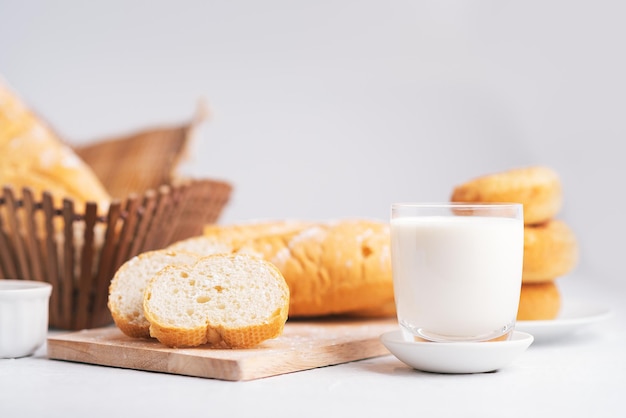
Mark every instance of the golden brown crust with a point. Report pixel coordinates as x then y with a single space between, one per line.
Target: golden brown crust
537 188
384 310
539 301
550 251
31 155
240 233
202 245
331 267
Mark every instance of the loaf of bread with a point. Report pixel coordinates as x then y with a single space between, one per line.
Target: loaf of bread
233 301
334 267
33 156
339 267
239 233
201 245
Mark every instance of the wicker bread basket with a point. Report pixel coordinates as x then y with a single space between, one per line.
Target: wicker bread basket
78 249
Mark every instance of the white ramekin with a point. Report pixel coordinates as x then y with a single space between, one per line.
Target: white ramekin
23 316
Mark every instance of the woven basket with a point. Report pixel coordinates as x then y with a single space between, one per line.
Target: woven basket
78 249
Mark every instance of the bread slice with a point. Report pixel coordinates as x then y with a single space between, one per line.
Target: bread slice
129 283
225 300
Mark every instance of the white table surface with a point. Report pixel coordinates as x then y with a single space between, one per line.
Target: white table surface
582 375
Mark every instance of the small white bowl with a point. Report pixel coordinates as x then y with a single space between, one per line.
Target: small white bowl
23 316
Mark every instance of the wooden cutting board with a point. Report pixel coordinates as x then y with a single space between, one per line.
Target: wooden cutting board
304 345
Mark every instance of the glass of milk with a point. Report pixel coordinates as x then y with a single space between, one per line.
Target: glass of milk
457 269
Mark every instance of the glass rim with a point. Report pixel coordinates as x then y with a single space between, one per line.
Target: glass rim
455 204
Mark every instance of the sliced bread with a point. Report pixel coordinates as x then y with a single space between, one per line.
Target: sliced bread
224 300
129 282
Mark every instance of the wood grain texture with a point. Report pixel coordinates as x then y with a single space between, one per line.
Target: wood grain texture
304 345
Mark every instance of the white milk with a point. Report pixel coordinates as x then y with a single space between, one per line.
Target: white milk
457 277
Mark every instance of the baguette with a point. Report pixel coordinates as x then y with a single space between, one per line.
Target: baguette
201 245
238 234
335 267
223 300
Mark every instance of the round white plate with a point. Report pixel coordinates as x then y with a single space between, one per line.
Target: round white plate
573 317
457 357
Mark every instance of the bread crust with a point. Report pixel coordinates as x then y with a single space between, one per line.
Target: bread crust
538 188
238 234
539 301
384 310
335 267
202 245
550 251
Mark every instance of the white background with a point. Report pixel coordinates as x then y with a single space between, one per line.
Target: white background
329 109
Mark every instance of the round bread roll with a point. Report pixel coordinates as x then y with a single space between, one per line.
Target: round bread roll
537 188
539 301
129 283
550 251
225 300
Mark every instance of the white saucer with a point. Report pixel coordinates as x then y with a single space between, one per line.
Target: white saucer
457 357
573 317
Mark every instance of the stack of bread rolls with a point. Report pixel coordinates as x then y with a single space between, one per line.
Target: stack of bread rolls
550 246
